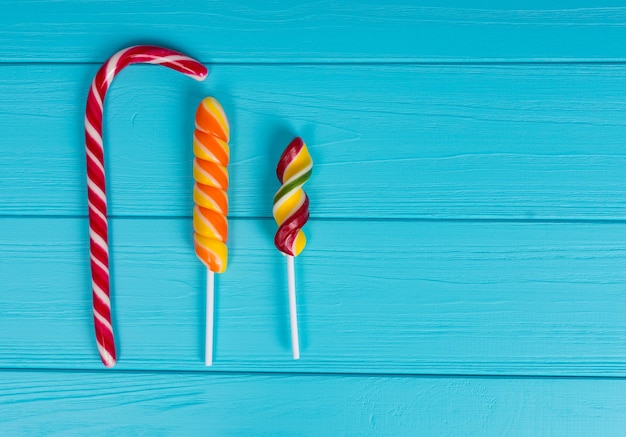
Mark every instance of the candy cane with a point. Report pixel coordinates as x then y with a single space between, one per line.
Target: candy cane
96 187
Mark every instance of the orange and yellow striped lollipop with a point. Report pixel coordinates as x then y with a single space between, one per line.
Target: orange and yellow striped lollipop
212 153
210 147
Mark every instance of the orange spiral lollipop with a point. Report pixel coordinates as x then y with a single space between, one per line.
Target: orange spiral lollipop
210 147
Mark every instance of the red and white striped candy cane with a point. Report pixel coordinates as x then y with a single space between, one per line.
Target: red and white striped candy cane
96 189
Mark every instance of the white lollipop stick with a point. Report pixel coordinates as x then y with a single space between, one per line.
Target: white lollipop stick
293 310
210 297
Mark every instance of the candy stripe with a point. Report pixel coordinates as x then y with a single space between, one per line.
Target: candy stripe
211 251
288 157
96 186
291 229
211 197
210 173
210 223
210 147
210 118
291 204
291 188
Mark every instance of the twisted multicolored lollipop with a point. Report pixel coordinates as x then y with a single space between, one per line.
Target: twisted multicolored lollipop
210 146
291 211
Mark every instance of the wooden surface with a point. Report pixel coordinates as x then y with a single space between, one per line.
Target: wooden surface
485 141
465 272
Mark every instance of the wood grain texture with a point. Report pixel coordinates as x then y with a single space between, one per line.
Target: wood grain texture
496 142
163 404
468 219
374 297
316 31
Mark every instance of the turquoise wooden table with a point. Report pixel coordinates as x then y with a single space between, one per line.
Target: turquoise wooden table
466 266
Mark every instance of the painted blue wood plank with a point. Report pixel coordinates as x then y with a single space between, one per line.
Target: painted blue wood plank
101 403
374 297
511 142
329 30
391 141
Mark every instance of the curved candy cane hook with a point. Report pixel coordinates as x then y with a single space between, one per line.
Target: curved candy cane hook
96 187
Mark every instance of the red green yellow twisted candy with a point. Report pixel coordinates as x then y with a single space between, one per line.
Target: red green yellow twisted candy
210 147
291 204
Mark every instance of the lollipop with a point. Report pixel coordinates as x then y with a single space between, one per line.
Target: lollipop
210 146
291 211
96 187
